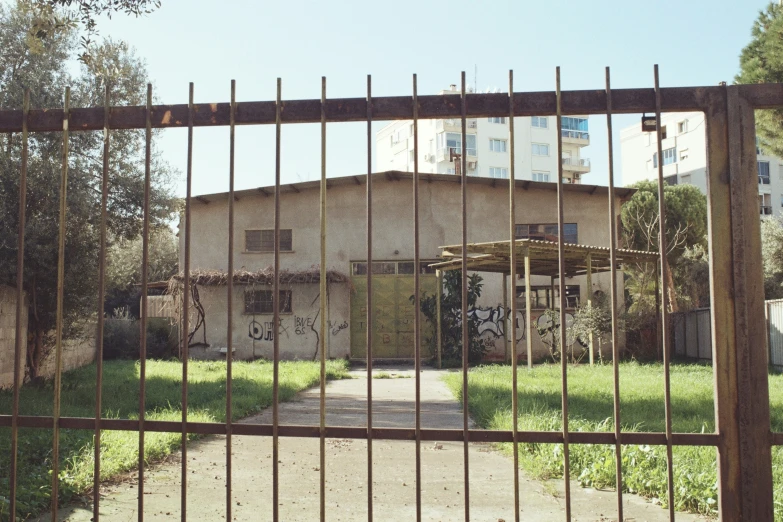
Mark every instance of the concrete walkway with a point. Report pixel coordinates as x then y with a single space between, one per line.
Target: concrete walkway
491 474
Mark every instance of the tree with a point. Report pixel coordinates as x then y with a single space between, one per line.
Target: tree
451 317
686 227
772 257
52 16
44 67
123 271
761 61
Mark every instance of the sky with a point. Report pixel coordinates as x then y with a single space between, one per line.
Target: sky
210 43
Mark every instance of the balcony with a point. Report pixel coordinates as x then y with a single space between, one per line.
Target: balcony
765 210
580 165
576 137
445 153
455 124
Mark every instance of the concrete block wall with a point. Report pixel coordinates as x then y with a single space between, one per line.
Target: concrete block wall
8 335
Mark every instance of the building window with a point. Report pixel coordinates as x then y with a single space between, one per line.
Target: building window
540 176
548 232
669 157
453 140
261 302
540 121
682 127
496 120
497 145
450 170
683 154
574 128
498 172
264 240
540 149
663 133
541 297
763 172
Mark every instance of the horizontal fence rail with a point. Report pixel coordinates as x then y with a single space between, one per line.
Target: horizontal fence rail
742 437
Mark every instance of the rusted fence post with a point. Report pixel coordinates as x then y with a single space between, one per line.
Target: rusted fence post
737 295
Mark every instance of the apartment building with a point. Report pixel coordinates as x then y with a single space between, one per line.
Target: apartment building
487 146
685 158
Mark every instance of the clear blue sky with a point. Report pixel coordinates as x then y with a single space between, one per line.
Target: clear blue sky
695 42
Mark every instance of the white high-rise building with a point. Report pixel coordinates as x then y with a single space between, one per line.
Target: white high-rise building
487 146
685 158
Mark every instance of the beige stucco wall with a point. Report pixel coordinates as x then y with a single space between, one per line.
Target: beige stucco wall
440 224
76 352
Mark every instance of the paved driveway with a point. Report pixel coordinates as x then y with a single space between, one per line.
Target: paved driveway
491 474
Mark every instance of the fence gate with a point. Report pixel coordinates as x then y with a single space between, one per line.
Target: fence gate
742 438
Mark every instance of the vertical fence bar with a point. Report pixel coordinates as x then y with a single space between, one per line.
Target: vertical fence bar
58 371
512 189
19 305
438 322
613 289
323 304
665 340
230 296
464 312
562 304
145 241
416 292
276 318
96 474
186 314
528 311
369 299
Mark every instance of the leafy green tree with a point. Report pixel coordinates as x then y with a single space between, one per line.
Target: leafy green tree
451 317
761 61
45 66
123 271
686 227
772 257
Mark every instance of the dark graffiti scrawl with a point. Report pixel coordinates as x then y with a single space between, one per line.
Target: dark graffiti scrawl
493 320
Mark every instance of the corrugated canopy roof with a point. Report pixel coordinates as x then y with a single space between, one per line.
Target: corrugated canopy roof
495 257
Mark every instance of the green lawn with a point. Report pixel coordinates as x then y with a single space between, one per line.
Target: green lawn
590 403
252 392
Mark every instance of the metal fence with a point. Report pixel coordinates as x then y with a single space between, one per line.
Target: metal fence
742 437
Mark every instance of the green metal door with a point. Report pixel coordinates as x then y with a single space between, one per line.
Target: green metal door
393 315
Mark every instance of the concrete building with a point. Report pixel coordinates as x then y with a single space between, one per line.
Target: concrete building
586 214
685 158
487 146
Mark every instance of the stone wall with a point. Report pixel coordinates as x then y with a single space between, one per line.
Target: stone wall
8 335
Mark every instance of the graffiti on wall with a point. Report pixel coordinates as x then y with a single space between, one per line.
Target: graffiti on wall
492 321
547 329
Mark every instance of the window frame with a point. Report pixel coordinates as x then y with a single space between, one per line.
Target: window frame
503 171
497 143
548 232
542 174
535 121
261 302
539 145
284 242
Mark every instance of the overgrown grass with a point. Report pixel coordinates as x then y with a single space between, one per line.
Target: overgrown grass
590 403
252 392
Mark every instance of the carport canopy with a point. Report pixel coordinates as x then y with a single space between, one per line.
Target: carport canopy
495 256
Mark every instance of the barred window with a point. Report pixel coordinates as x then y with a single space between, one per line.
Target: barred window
264 240
261 302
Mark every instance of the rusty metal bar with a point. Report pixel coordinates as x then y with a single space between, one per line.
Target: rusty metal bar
741 375
19 335
427 434
230 300
145 241
369 106
438 332
513 277
416 292
562 304
186 313
58 368
626 101
324 303
276 319
666 342
96 473
618 452
528 312
464 274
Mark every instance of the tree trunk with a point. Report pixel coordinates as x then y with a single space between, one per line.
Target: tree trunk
669 283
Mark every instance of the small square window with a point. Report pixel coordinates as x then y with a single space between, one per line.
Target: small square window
682 127
264 240
540 149
683 154
497 145
261 302
540 121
